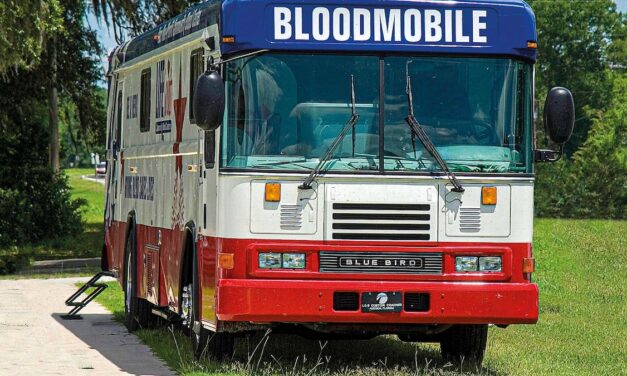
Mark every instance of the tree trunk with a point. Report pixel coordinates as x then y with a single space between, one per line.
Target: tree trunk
53 104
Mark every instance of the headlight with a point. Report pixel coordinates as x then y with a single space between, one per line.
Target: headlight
294 260
490 264
269 260
466 264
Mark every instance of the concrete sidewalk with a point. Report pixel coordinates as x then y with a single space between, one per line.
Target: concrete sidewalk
34 340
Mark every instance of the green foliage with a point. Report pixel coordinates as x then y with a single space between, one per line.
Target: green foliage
137 16
575 41
37 208
24 26
12 261
594 183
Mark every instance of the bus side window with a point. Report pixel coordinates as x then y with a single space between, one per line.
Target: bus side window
144 109
210 149
196 68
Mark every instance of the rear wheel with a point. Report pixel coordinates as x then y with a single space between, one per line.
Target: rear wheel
464 343
137 312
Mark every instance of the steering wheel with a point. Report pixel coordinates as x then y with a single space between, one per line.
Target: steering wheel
485 132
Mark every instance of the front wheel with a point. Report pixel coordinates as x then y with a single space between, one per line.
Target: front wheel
205 343
464 343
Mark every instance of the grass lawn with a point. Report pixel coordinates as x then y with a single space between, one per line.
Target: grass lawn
581 270
87 244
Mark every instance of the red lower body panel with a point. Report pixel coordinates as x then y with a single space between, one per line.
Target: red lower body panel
265 301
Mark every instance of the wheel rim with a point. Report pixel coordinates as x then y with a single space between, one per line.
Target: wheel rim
129 283
188 311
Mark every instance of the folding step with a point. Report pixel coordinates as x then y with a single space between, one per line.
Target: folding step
78 305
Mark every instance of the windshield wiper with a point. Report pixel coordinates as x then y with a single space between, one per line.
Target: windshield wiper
417 130
350 124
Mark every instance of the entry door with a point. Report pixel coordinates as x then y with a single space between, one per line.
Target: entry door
114 166
208 223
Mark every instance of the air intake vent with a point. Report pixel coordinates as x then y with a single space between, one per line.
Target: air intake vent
291 217
469 219
150 278
381 221
416 302
345 301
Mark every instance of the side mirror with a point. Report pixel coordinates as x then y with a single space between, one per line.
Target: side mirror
559 121
209 101
559 115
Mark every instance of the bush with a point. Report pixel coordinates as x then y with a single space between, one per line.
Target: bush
593 184
39 208
11 262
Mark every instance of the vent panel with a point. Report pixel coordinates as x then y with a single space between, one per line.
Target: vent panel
150 281
291 217
469 219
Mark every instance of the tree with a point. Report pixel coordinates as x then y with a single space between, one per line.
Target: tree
137 16
574 45
24 26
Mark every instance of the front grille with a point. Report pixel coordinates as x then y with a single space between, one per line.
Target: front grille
345 301
416 302
381 262
381 221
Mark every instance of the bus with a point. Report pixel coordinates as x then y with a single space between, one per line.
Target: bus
336 169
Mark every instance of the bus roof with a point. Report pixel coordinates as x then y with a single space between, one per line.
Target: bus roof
475 27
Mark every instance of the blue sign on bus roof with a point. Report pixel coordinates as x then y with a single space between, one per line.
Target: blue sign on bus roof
494 27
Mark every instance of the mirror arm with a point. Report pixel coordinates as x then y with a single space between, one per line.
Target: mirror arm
547 155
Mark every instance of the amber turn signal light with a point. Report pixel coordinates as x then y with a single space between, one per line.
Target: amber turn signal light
273 192
529 265
488 195
532 44
226 261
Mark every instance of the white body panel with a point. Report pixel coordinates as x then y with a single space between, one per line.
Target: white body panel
244 214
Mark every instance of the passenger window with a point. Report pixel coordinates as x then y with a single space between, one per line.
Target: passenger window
144 110
196 68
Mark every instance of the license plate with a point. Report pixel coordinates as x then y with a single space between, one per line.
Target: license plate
388 301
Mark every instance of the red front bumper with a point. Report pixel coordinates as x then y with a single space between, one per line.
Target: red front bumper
294 301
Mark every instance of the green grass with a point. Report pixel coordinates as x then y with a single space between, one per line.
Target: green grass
86 272
87 244
581 270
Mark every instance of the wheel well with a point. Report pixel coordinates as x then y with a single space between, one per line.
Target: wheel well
187 259
130 227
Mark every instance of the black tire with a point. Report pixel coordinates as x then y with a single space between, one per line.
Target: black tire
218 346
137 312
464 343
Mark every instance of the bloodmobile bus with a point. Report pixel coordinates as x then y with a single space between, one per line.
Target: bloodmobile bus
334 168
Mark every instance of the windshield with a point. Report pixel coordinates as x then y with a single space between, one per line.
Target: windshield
285 110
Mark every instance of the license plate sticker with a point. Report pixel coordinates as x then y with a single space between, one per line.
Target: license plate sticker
387 301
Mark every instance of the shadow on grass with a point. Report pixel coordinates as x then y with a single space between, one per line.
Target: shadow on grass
384 355
282 354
